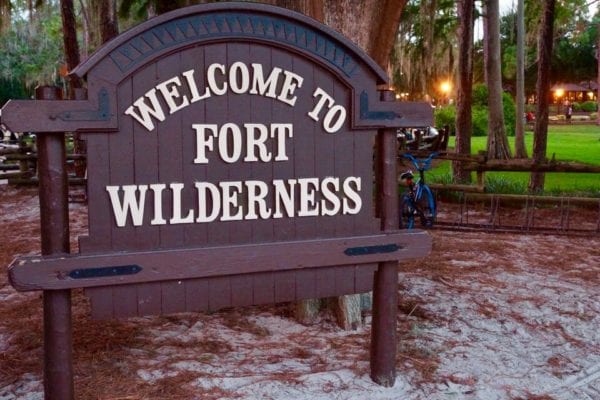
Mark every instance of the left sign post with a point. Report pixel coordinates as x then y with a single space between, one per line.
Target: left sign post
54 216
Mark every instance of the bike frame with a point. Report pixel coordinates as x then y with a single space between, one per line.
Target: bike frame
420 188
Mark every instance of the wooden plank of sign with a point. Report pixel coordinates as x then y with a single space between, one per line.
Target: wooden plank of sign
219 293
146 148
241 290
101 299
149 298
239 113
125 301
363 278
43 116
217 170
285 286
260 110
196 295
172 296
169 158
263 287
344 279
35 272
409 114
285 228
304 135
325 282
245 290
121 158
193 58
326 152
98 176
306 283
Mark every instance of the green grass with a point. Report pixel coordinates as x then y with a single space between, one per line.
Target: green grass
568 142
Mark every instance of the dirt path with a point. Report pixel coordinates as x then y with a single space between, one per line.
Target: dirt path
486 316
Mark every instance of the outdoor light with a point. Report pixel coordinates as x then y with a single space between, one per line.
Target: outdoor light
445 87
559 93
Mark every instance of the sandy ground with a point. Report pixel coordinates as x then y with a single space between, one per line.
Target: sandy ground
486 316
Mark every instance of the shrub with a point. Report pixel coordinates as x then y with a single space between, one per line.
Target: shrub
576 106
480 95
446 116
508 105
594 115
480 120
589 106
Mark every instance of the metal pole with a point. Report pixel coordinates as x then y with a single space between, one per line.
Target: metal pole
54 216
385 288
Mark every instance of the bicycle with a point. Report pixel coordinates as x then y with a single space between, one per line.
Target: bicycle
417 200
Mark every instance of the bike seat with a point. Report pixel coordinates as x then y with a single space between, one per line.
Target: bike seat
407 175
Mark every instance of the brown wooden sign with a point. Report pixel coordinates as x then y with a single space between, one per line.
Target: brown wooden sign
230 162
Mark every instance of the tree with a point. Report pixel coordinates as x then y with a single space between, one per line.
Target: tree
70 43
520 149
464 96
540 136
497 142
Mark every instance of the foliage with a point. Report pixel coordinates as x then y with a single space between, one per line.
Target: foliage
11 89
567 143
576 106
446 116
31 51
480 95
480 120
589 106
509 107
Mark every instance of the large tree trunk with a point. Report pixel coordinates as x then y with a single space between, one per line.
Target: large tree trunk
540 135
372 25
497 142
71 46
464 95
107 13
520 149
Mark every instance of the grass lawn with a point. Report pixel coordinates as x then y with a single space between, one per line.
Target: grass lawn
568 143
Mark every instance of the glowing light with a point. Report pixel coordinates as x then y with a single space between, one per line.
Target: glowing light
559 93
445 87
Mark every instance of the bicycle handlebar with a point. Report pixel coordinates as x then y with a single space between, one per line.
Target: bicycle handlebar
421 165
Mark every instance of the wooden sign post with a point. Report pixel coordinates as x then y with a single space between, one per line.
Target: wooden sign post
230 163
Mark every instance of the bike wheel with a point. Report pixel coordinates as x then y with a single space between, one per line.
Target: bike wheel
407 213
427 207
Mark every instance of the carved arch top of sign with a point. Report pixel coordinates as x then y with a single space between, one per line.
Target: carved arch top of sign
231 21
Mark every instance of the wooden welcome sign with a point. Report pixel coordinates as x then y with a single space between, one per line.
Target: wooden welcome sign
230 163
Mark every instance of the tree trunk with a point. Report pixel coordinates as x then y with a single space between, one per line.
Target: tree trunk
486 33
497 142
464 95
71 46
540 136
108 20
520 149
598 58
372 25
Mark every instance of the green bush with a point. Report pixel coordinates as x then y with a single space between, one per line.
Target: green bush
509 107
480 95
576 106
589 106
594 116
480 120
446 116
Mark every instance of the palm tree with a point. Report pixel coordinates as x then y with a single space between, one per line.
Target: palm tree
497 141
540 136
464 85
520 149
